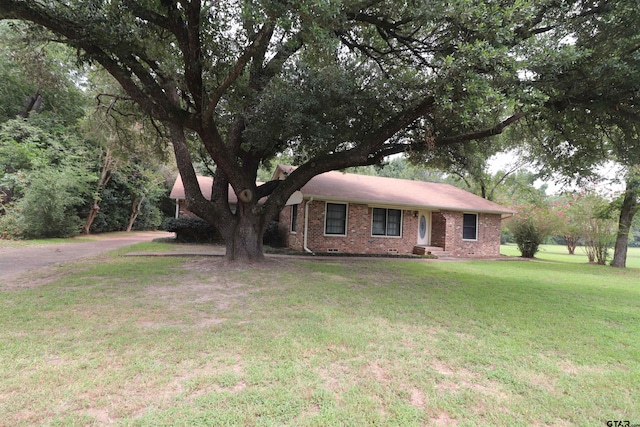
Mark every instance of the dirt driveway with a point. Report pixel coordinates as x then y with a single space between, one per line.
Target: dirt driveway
16 260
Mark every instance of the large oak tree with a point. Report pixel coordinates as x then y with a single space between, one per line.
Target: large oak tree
340 83
592 111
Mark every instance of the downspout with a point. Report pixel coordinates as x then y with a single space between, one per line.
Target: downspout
306 226
177 208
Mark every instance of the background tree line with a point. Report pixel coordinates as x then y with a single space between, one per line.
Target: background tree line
66 166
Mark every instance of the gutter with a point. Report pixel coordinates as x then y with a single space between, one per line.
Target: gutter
306 226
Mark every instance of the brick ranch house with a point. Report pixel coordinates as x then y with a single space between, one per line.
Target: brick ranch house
350 213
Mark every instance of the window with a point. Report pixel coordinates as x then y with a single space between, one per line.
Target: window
336 219
386 222
294 218
470 227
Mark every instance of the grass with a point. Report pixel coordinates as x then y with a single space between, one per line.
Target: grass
558 253
32 242
74 239
169 341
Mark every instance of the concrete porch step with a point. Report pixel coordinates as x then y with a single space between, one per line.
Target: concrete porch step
431 250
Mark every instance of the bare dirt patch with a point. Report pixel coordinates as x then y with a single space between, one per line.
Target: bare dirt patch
568 367
444 369
444 419
417 398
540 380
206 298
221 266
378 372
212 289
462 378
101 415
32 279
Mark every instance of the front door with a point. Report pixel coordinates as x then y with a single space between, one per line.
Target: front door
424 228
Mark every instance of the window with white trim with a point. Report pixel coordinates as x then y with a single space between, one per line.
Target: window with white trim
336 219
469 226
386 222
294 218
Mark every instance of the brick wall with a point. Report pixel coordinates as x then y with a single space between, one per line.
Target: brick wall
438 229
487 244
446 232
358 238
295 240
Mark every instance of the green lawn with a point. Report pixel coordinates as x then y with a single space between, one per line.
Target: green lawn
321 342
34 242
559 253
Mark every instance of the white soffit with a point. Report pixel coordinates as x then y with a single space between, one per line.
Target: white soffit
295 199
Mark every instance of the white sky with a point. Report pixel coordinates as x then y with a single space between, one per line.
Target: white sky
611 184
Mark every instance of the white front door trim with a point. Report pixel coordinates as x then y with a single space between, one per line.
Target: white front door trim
424 228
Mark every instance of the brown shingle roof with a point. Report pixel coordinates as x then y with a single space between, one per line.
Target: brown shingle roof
205 182
373 190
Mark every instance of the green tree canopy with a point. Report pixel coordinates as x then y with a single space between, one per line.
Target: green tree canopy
38 76
592 112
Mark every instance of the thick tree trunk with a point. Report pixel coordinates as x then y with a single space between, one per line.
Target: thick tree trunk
244 241
627 212
620 252
242 232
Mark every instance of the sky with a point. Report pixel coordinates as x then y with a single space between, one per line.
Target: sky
609 186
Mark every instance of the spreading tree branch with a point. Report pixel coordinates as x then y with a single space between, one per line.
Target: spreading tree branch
485 133
262 36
